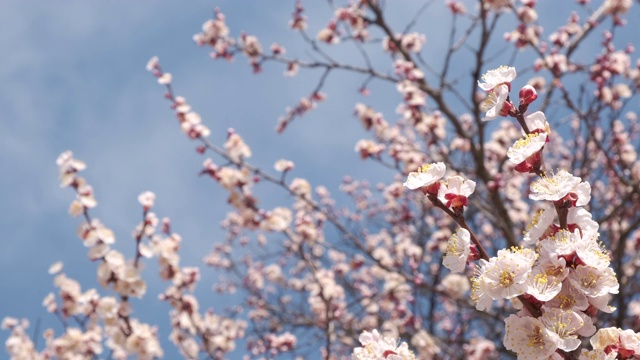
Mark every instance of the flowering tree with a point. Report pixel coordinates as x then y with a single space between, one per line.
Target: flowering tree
510 228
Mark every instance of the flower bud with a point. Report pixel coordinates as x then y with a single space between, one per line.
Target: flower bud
528 95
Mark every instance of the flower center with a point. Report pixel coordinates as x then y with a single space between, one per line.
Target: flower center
536 338
506 278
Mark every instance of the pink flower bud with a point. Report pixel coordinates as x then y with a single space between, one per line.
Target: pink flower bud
147 199
528 95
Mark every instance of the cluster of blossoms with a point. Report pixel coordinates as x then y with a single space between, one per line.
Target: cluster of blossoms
412 42
390 137
190 121
353 17
453 193
376 346
526 153
101 321
559 279
93 322
305 105
216 35
528 32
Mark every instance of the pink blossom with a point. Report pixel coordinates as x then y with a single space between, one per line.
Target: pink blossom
376 346
147 200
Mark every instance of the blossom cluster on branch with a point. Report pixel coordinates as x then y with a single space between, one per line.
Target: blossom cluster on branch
559 281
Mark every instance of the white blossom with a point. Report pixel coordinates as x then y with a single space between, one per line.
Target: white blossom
503 276
496 77
526 146
597 354
539 224
563 242
555 187
426 175
543 285
494 102
455 191
594 282
583 221
529 338
458 249
376 346
537 121
569 298
566 324
592 253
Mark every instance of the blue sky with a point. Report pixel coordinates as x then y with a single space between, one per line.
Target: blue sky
72 77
